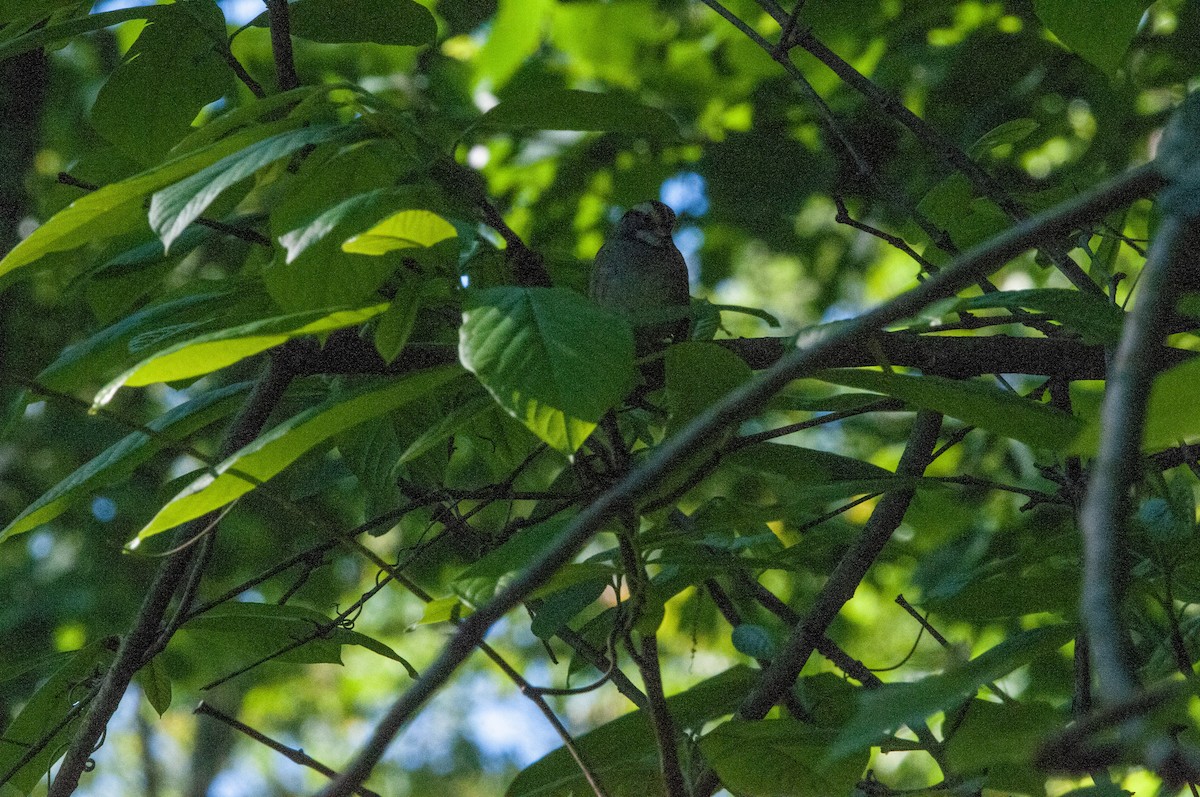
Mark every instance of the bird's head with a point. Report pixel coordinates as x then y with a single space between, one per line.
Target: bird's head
649 222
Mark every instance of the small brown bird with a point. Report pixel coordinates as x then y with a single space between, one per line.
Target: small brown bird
639 273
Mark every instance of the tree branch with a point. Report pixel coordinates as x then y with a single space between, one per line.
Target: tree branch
292 754
1117 466
281 45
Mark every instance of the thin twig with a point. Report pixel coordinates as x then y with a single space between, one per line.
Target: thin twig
290 753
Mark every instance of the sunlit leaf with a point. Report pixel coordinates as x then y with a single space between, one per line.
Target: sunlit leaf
92 216
404 230
173 208
277 448
215 350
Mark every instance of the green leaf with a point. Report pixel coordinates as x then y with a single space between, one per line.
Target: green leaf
444 610
449 424
787 759
118 461
216 350
757 312
115 209
806 465
570 109
623 754
897 704
480 582
155 685
1098 32
251 631
153 328
407 229
516 35
973 402
172 71
697 374
47 709
402 22
1170 416
993 732
397 323
553 360
274 450
69 28
1096 319
1009 132
173 208
318 269
561 607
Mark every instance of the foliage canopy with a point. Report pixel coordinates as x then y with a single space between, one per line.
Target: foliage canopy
298 372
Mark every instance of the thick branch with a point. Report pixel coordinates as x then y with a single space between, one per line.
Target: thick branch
955 357
281 45
1106 504
844 580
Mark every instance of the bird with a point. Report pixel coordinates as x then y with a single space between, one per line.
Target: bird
639 273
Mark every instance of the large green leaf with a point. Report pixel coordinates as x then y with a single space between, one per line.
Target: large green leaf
274 450
173 208
992 734
212 351
332 256
569 109
516 35
1096 319
69 27
480 582
623 754
151 329
553 360
898 704
697 374
805 465
115 209
780 758
172 71
46 709
408 229
1098 32
1171 415
377 21
119 460
251 631
973 402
